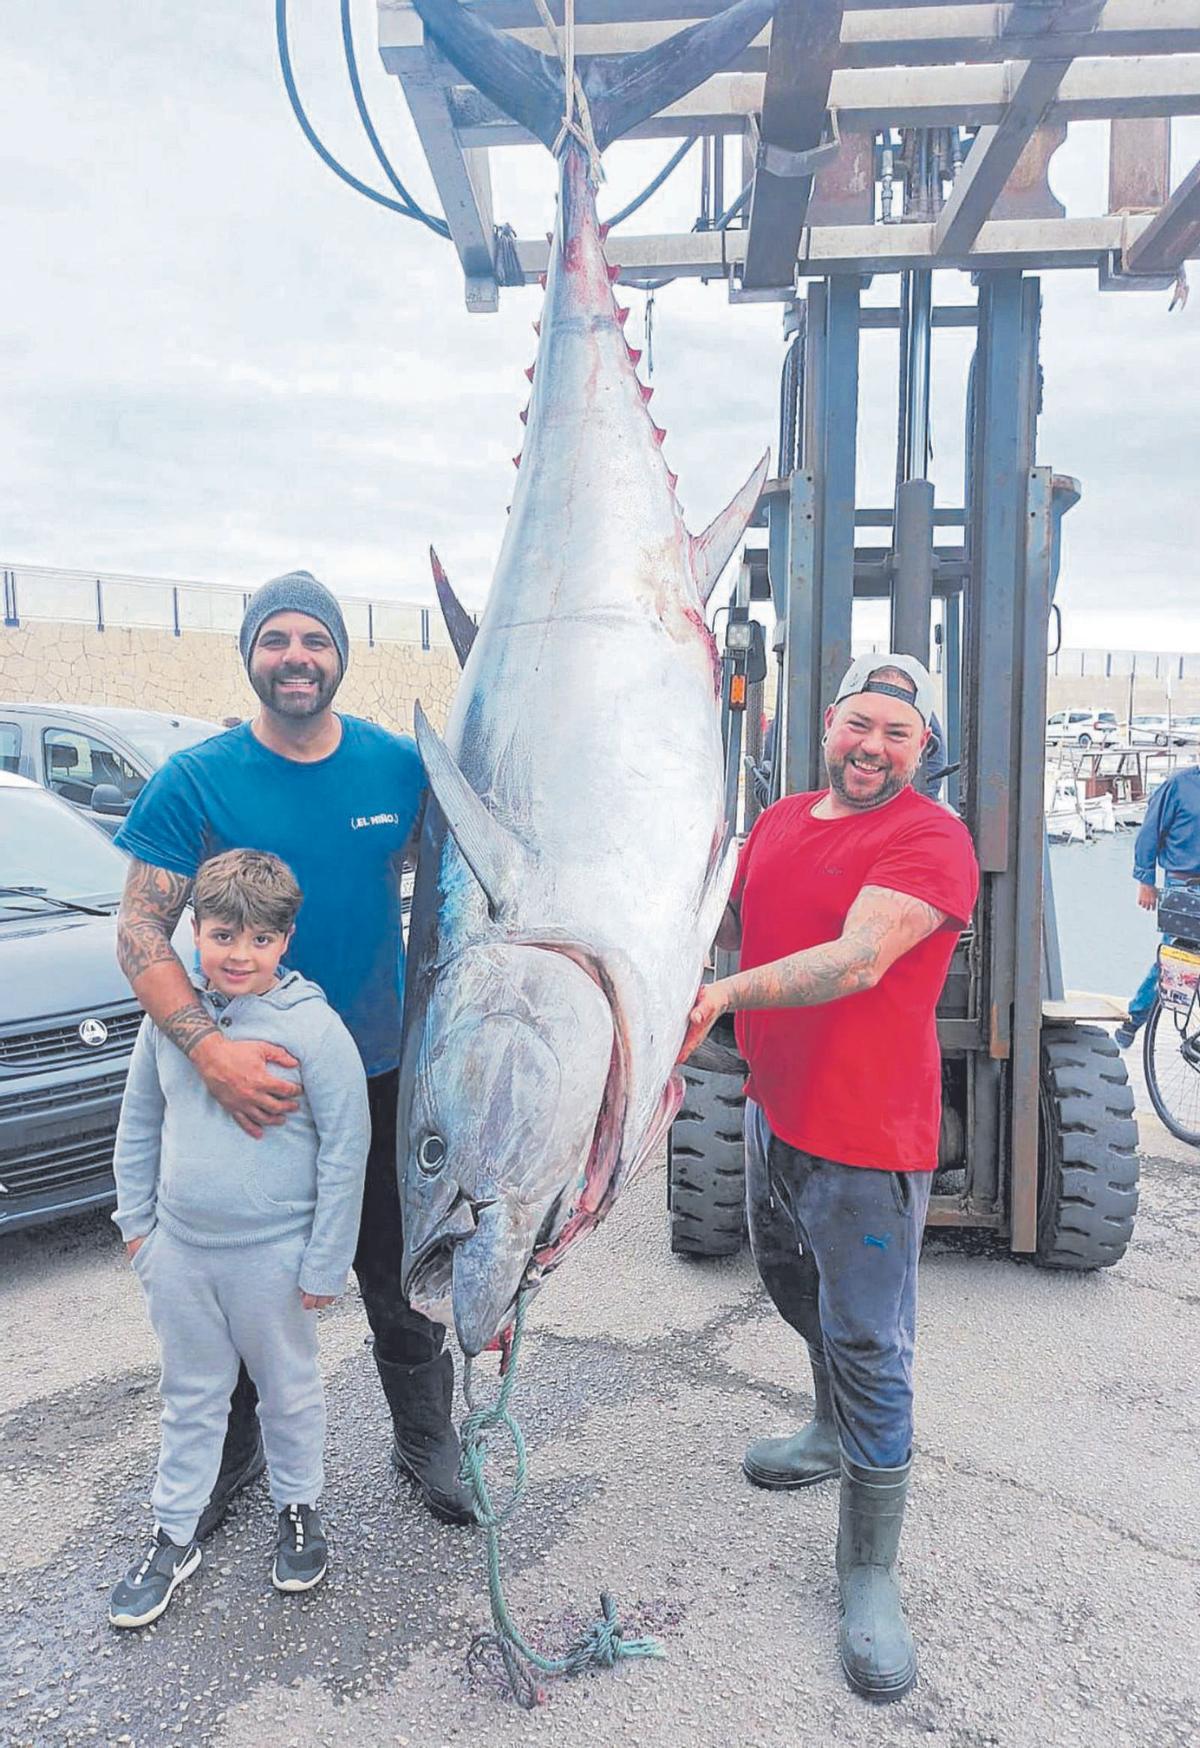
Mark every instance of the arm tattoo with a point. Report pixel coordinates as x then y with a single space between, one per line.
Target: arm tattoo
881 926
187 1025
151 906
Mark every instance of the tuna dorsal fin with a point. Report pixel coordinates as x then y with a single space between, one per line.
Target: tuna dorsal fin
622 90
459 624
712 550
494 856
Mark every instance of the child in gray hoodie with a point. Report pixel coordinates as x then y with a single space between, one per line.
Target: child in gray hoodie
237 1241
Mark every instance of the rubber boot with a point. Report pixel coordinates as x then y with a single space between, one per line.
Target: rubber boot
242 1457
425 1445
805 1457
876 1646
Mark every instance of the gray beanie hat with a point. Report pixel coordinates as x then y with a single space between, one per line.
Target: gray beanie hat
297 592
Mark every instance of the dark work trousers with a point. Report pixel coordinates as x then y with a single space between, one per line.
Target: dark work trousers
837 1248
402 1335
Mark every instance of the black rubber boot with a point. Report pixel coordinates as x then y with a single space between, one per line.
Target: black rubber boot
425 1446
805 1457
876 1646
242 1458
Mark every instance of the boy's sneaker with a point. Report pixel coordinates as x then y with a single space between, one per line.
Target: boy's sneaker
146 1589
301 1551
1125 1035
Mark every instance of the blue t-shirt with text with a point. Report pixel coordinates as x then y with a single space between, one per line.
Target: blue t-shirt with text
340 824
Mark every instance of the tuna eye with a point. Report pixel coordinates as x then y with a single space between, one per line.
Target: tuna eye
431 1154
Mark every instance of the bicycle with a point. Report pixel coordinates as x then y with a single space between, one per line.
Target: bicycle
1171 1045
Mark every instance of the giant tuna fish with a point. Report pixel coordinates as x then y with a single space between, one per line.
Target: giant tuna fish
575 866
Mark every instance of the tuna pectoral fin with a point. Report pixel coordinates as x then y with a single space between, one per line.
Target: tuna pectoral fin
459 624
622 90
494 855
712 550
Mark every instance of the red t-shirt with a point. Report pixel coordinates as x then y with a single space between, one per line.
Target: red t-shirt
856 1080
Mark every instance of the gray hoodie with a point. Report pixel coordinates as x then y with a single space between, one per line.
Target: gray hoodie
182 1160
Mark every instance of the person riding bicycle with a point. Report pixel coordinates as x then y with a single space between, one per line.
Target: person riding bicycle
1169 839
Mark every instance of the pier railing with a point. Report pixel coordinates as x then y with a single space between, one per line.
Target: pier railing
107 598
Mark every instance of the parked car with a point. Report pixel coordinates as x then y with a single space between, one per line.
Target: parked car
67 1017
1161 731
1148 731
1185 731
1083 728
96 757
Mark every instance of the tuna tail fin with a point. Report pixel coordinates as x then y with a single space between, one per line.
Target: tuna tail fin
622 90
459 624
712 550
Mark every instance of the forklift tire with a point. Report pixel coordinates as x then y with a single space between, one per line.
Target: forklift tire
1087 1151
706 1166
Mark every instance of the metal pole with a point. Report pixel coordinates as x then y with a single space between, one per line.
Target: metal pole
952 649
912 569
912 539
915 387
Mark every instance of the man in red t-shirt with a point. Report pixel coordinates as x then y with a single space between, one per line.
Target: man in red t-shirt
846 906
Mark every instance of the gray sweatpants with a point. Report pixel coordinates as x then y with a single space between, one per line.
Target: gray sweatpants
837 1248
210 1308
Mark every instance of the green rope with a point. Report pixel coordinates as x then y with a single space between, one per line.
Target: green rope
604 1643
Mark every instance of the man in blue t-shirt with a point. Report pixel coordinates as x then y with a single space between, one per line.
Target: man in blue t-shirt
337 799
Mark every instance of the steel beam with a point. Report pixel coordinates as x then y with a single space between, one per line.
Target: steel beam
461 177
867 99
862 249
1026 945
804 48
1139 165
1173 235
874 35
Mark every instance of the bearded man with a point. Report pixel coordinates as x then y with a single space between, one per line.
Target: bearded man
337 798
846 906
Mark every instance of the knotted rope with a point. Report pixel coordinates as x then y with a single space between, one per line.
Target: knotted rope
577 117
604 1644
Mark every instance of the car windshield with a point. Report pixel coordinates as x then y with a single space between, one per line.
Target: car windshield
1106 716
157 737
44 845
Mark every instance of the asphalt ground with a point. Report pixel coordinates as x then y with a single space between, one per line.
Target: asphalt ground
1051 1561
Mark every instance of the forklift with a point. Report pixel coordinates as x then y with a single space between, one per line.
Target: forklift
1038 1143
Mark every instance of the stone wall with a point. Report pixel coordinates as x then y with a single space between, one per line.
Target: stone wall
200 673
1084 692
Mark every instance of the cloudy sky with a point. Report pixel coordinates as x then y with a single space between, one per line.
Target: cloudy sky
220 363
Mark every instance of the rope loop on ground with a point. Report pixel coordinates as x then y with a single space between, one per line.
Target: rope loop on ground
604 1643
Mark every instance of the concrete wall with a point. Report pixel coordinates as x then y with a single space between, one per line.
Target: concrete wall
200 673
1098 693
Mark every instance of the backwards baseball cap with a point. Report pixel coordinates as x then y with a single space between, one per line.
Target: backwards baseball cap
297 592
860 677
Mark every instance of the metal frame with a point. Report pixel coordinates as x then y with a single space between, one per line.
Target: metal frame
995 591
843 72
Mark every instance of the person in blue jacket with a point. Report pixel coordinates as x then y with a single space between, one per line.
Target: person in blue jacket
1169 840
337 799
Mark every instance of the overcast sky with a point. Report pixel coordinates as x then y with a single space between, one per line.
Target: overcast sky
220 363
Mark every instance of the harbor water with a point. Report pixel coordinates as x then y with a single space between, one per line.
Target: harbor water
1107 942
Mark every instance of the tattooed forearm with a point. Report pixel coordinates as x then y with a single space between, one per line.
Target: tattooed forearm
881 926
151 906
187 1026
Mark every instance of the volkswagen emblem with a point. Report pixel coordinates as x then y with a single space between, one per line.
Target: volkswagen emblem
94 1032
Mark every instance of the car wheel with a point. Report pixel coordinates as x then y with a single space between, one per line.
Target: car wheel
1085 740
1160 740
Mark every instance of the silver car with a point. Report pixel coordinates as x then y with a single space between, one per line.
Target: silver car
96 757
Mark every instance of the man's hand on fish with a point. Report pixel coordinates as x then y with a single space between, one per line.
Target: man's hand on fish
711 1003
